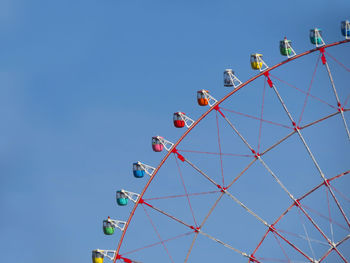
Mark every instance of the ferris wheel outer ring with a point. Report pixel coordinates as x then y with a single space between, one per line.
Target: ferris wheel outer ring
204 115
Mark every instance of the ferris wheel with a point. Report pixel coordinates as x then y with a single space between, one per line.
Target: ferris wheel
269 162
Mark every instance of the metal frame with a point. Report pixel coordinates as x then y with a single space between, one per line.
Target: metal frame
203 116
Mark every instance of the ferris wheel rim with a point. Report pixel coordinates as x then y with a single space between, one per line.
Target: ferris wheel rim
262 73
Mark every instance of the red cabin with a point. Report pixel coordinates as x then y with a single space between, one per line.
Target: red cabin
179 121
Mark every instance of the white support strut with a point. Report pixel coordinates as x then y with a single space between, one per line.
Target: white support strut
130 195
318 37
167 144
234 80
117 223
289 47
147 168
211 99
188 121
110 254
264 65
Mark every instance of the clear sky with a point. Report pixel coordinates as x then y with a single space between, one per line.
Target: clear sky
86 84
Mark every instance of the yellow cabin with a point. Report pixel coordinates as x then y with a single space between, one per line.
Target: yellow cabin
97 256
256 61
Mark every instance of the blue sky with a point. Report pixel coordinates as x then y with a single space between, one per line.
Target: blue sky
86 84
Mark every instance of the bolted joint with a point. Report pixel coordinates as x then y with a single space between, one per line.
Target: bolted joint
252 258
323 57
178 155
340 108
223 189
217 108
272 228
297 203
326 182
196 229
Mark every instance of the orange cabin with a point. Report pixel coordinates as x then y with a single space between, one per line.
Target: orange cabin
202 98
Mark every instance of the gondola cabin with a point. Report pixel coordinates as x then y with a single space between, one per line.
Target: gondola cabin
316 36
255 61
202 99
178 120
157 146
228 82
122 198
97 256
285 47
138 170
108 228
345 28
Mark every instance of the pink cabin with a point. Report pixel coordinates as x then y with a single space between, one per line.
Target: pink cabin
157 146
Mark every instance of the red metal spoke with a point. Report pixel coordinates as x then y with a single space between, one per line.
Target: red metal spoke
214 153
167 214
277 143
331 249
308 91
337 202
157 243
340 107
185 189
293 246
241 173
177 196
341 194
202 224
297 129
346 100
321 232
293 205
222 169
306 234
273 260
301 128
302 237
155 230
319 120
312 96
261 115
341 64
323 216
280 245
330 216
256 118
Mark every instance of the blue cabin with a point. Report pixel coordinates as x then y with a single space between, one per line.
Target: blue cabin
122 198
138 170
345 28
316 36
